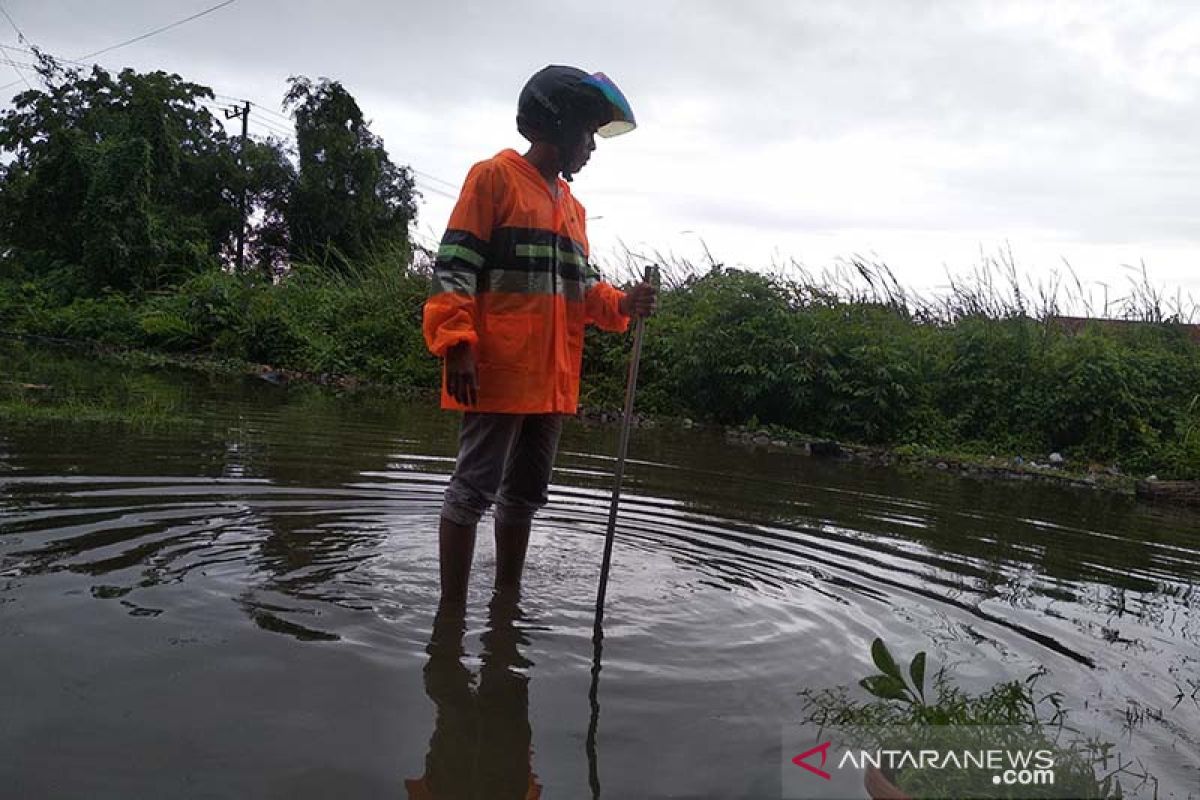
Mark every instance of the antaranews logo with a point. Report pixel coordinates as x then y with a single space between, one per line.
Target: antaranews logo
981 761
802 759
1010 767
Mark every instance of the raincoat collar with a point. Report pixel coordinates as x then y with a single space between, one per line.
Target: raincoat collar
519 162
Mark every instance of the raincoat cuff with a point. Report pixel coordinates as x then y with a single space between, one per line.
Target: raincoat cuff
448 339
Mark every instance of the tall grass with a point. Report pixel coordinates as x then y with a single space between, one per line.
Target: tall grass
996 287
361 318
981 364
984 364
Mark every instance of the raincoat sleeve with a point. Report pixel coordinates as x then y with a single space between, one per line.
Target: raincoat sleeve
450 315
602 306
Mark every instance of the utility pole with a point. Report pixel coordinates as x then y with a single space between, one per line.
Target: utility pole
244 113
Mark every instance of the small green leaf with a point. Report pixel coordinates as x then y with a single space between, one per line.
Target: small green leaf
916 671
886 687
883 659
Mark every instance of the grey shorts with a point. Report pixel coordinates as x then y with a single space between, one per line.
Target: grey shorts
504 459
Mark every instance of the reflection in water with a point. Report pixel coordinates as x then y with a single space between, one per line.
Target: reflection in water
594 722
480 746
283 542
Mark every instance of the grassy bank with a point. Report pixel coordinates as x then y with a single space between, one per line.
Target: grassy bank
38 387
980 370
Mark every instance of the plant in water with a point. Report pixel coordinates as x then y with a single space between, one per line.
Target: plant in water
910 713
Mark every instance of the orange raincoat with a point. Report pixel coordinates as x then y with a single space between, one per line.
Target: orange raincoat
512 279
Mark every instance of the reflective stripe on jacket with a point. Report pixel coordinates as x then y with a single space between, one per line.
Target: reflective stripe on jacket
512 278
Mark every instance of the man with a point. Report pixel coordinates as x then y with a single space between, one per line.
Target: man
512 292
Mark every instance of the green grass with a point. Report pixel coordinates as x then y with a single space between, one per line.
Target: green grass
139 402
908 711
848 354
76 412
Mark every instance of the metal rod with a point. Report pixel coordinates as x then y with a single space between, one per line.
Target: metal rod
626 420
651 274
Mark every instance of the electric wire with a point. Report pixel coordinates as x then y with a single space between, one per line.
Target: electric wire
17 70
426 182
20 38
435 179
32 52
274 129
157 31
259 106
434 190
20 64
135 39
20 34
277 118
268 111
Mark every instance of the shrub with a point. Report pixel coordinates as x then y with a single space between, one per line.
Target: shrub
910 714
972 372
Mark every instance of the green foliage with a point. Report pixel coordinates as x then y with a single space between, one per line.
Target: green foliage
994 380
739 347
362 319
53 388
728 346
890 684
269 180
1009 715
350 199
120 204
721 343
131 180
126 176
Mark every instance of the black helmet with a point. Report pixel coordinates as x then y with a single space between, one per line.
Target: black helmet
559 102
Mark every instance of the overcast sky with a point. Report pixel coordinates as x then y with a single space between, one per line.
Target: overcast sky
922 133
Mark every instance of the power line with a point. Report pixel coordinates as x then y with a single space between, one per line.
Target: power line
17 70
435 178
433 189
28 51
266 123
266 110
125 43
269 125
213 103
277 131
34 67
21 39
22 64
421 184
20 35
259 106
157 31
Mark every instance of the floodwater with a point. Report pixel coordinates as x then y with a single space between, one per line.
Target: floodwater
246 607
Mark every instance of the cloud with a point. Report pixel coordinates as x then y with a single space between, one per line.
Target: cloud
1070 123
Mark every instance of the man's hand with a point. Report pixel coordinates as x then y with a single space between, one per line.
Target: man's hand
640 301
462 378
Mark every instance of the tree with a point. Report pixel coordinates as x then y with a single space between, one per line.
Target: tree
270 179
128 178
349 199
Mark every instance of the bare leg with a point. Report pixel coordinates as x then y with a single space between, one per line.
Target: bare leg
523 490
456 549
512 540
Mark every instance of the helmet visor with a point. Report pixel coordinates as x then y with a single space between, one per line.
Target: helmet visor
622 115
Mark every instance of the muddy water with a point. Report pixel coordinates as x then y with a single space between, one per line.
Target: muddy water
245 606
